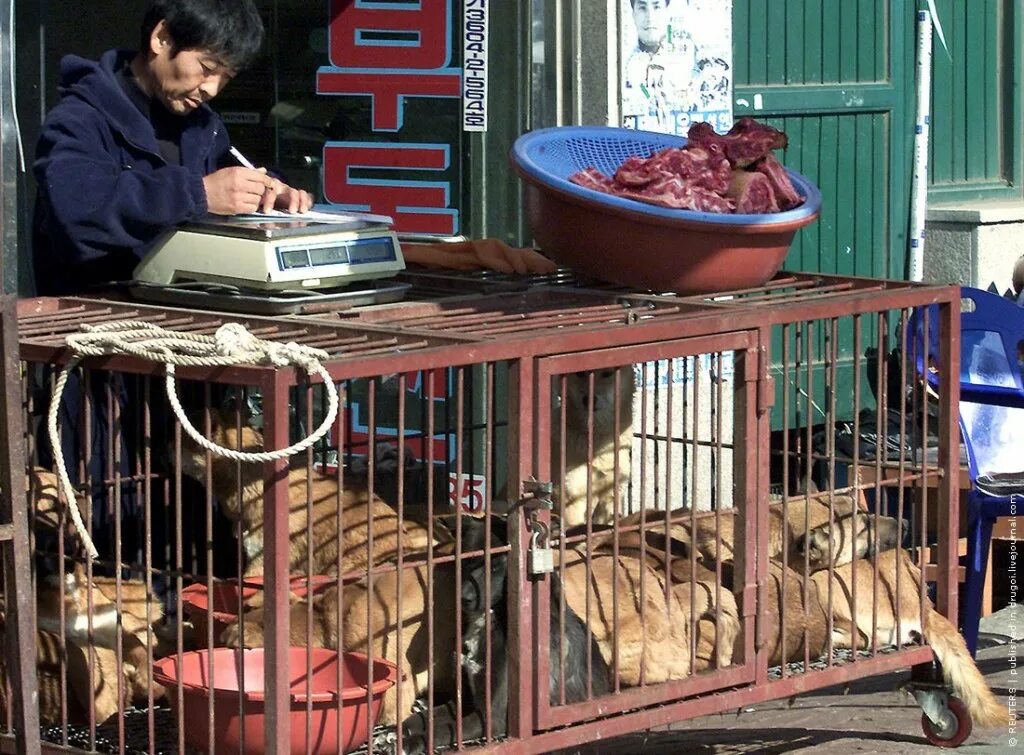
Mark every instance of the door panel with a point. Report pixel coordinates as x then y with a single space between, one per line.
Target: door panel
691 450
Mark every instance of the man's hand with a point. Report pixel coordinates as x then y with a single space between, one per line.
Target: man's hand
281 196
232 191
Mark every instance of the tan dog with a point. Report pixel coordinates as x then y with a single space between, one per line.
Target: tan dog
713 537
848 537
652 634
797 606
378 605
102 688
655 645
358 511
854 629
609 449
102 631
695 588
106 623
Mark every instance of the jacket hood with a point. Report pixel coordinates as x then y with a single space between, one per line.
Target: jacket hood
95 82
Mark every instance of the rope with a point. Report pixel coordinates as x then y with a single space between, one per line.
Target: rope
231 345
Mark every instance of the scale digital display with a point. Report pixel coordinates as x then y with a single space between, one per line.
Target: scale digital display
359 251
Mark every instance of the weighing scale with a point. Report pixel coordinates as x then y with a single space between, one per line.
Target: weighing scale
273 264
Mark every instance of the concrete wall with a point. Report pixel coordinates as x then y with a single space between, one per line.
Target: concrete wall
974 244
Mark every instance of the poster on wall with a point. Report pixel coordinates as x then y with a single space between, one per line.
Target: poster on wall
676 64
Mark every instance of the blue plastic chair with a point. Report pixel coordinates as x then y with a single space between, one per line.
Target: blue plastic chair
991 425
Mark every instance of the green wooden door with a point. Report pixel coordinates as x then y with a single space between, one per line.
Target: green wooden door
833 74
977 111
837 77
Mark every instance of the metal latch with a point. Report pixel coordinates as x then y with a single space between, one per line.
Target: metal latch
536 494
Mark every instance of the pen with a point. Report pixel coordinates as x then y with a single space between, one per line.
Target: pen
241 158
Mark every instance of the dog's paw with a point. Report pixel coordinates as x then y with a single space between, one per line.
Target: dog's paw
386 742
241 634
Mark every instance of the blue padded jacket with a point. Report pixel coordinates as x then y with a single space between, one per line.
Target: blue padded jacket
105 194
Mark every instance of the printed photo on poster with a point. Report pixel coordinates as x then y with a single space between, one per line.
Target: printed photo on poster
676 64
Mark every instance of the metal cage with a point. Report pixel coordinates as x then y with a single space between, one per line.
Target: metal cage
554 510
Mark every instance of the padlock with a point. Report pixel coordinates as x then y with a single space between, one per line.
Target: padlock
540 558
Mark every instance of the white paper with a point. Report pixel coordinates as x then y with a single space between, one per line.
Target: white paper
316 215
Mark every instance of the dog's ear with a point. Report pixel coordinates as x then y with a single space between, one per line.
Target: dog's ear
233 408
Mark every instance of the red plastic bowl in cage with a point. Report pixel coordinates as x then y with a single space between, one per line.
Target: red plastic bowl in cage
628 242
338 720
196 600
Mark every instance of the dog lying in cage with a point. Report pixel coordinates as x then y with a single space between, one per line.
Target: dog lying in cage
800 525
819 609
386 617
597 460
897 621
80 623
649 639
582 669
98 690
699 595
91 615
244 504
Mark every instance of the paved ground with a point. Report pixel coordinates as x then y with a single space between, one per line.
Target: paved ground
872 717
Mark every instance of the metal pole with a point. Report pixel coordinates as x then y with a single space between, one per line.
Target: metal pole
919 183
19 631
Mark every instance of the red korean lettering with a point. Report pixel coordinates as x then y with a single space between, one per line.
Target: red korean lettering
397 36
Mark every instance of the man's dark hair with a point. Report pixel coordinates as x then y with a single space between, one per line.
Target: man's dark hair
230 29
632 3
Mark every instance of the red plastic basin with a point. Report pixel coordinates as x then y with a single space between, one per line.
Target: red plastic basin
196 600
632 248
337 722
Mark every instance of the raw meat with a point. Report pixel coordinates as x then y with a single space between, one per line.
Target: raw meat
785 193
752 193
734 172
680 194
747 141
592 178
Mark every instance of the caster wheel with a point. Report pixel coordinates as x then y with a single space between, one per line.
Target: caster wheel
957 726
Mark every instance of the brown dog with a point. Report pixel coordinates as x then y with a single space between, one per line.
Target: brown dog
369 623
713 535
101 686
138 611
650 631
798 608
359 513
106 622
899 590
709 610
847 538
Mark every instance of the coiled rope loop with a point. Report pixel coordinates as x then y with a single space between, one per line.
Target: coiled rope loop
231 345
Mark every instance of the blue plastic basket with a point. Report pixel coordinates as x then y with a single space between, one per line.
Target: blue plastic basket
549 156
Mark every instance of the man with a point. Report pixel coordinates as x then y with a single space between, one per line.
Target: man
132 148
657 71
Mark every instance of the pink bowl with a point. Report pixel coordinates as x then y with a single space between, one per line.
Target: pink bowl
197 600
337 722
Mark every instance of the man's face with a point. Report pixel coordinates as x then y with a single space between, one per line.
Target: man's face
184 81
651 18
